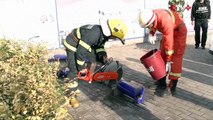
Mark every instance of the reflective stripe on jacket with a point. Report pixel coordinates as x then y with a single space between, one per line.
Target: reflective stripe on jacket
166 22
88 38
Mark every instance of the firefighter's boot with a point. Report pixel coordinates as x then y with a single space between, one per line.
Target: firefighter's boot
161 87
172 86
156 82
161 83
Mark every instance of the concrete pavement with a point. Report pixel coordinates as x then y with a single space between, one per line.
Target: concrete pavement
193 101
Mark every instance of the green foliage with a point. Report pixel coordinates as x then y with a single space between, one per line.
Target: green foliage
28 83
179 5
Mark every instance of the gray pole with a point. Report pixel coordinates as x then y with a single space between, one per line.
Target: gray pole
145 30
56 14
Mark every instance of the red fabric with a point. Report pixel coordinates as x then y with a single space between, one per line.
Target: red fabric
172 7
179 48
163 23
172 39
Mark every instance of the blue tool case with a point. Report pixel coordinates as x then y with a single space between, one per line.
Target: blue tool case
132 89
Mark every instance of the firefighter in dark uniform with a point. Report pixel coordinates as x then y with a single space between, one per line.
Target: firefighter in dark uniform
200 13
86 44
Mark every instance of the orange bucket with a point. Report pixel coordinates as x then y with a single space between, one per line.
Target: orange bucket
154 64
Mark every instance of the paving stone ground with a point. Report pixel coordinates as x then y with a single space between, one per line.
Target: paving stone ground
193 101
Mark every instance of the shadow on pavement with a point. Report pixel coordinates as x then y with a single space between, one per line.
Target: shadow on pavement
193 98
98 101
197 66
199 77
198 55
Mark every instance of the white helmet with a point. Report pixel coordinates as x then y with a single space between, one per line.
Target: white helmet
146 17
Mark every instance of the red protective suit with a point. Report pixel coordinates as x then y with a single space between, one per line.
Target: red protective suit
173 42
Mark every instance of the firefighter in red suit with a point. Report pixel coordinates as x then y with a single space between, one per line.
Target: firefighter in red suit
172 45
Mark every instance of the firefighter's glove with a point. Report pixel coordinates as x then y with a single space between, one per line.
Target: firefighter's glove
152 39
102 57
83 73
168 67
105 59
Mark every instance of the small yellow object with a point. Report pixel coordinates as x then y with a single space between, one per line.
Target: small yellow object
77 91
73 84
74 102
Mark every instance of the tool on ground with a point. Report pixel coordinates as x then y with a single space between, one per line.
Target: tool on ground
74 102
102 73
132 89
72 84
73 98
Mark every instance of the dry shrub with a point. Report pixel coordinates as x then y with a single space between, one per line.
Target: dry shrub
28 83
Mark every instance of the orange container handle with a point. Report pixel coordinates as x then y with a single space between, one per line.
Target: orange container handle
85 75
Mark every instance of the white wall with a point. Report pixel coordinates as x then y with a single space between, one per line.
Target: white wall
90 11
23 19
